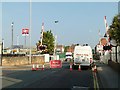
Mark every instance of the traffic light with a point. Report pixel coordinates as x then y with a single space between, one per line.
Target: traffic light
43 47
107 47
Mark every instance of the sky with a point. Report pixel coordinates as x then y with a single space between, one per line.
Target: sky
79 22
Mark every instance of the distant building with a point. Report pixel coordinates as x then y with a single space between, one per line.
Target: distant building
60 49
103 41
17 46
71 48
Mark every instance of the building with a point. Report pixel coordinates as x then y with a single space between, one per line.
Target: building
60 49
103 41
71 48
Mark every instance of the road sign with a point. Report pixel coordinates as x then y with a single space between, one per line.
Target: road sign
55 64
25 32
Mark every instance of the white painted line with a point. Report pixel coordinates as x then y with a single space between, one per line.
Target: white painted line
80 88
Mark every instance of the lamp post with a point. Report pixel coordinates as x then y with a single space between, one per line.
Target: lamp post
55 43
30 32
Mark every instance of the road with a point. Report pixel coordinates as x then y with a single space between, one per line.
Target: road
49 78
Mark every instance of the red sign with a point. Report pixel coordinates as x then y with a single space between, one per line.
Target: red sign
55 64
25 31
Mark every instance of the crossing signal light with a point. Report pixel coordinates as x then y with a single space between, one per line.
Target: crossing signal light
43 47
107 47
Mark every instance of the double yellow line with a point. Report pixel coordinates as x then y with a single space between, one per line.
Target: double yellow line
96 85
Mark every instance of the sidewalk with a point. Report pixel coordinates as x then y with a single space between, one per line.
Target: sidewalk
21 66
108 77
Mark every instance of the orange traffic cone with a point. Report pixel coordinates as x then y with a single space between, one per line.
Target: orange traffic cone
70 67
79 68
43 67
95 68
33 67
37 67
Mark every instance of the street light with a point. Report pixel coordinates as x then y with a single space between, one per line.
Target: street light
56 21
30 23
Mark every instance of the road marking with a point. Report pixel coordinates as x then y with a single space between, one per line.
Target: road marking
96 85
80 88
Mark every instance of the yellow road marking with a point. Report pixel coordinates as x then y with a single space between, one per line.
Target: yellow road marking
96 86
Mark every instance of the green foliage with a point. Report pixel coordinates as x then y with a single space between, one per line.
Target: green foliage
48 40
66 47
114 31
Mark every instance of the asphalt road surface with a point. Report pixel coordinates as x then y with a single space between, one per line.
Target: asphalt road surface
49 78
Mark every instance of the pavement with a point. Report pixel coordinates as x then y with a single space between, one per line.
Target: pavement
108 77
22 66
12 69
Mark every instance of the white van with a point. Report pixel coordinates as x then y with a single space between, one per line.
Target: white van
83 55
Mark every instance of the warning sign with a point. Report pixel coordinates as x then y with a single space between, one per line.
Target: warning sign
55 64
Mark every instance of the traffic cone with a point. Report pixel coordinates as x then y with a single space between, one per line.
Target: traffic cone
95 68
33 67
70 67
43 67
37 67
79 68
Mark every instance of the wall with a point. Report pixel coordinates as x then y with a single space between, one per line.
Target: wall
21 60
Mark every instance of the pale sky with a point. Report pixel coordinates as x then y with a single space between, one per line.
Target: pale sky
78 22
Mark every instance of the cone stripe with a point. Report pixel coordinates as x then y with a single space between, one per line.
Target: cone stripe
70 67
79 68
43 67
33 68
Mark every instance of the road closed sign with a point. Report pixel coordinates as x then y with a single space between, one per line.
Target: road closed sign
55 64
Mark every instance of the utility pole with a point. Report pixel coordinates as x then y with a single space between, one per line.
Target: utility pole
25 41
55 47
12 34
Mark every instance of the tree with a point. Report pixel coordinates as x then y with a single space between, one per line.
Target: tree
66 48
114 30
48 40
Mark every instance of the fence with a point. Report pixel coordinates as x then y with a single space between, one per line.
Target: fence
107 55
113 54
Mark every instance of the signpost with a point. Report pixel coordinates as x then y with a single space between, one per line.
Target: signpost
25 32
55 64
